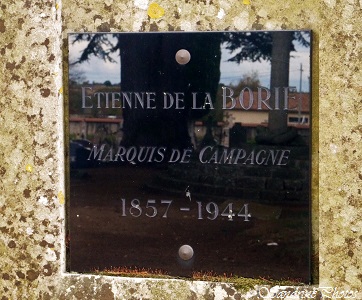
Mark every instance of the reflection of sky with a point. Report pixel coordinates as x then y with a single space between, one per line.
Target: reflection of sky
97 70
231 72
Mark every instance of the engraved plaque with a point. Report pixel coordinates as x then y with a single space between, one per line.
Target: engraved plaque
189 154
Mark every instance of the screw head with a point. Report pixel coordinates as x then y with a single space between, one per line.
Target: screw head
185 252
183 56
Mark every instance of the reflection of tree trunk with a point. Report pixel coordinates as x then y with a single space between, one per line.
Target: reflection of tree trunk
148 65
282 41
191 129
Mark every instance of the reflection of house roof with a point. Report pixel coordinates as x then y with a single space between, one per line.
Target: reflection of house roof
95 120
264 124
293 102
203 123
253 125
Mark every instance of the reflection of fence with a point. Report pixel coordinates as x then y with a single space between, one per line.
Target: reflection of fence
245 132
264 184
95 128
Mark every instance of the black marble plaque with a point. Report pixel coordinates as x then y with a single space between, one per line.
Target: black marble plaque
189 154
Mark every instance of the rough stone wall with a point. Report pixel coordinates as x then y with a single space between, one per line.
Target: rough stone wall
32 184
340 130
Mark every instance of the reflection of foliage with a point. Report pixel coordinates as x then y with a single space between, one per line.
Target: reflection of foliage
275 47
110 139
99 45
254 47
144 68
76 76
250 80
72 136
258 46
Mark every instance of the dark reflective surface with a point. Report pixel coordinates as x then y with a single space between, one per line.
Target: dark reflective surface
212 154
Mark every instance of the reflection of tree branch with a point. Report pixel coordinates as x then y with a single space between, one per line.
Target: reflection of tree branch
148 64
253 47
98 45
258 46
76 76
303 38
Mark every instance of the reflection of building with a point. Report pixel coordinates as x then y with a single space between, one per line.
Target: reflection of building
250 119
93 128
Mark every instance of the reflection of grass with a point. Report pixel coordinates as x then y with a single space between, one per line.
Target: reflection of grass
296 226
299 221
132 272
290 226
241 284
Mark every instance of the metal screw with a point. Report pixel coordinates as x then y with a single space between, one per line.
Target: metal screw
185 252
183 56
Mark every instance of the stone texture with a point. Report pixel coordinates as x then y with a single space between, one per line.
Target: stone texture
340 120
32 186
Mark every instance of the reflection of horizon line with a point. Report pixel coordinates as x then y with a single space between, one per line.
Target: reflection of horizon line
284 61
